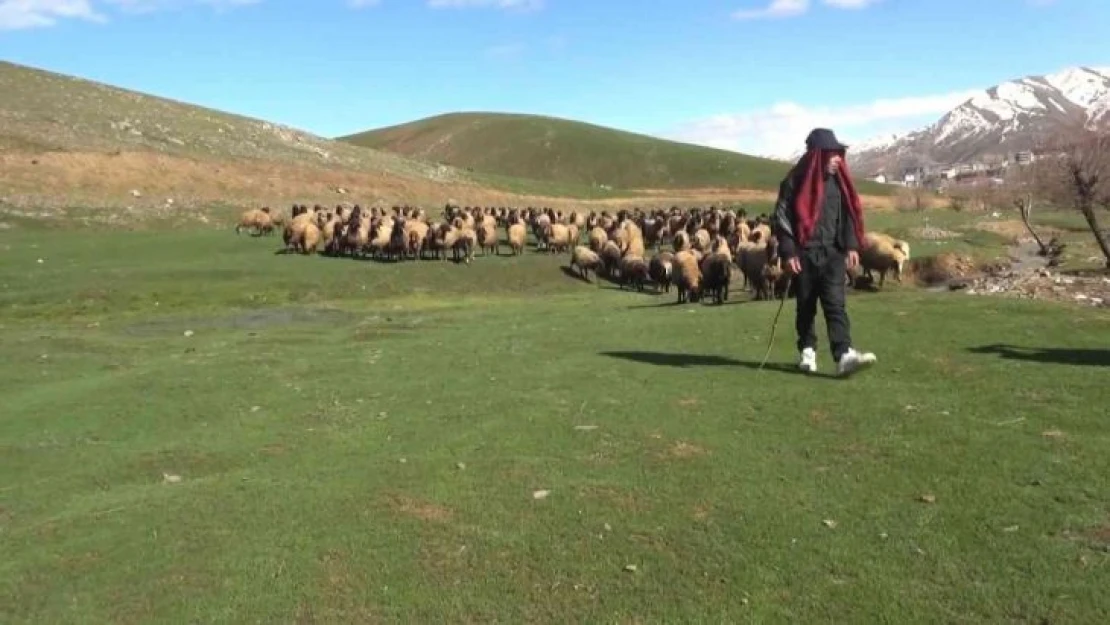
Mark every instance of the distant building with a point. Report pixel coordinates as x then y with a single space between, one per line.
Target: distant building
1024 157
880 178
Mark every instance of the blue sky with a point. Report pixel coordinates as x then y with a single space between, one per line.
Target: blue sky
750 75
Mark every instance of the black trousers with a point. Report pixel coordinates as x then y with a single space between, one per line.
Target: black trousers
822 279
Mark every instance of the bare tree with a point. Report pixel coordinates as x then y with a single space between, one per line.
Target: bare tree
1076 172
1023 190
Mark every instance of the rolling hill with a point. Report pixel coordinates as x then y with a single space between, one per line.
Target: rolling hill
73 146
572 152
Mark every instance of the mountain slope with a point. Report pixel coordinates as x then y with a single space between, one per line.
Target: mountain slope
566 151
1006 118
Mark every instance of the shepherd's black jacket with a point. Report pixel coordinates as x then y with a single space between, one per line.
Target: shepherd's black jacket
834 228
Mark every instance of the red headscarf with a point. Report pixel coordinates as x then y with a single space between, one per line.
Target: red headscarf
810 197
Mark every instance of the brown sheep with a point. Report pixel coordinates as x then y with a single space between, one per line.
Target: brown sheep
517 235
487 237
256 219
884 254
611 258
634 271
597 239
585 259
687 277
716 271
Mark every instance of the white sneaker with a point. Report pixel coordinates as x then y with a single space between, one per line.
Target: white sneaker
808 360
853 361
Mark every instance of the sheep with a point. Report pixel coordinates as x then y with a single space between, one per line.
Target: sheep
487 237
464 244
716 270
752 257
611 258
661 269
557 237
761 232
883 253
701 240
584 259
597 239
681 241
517 235
688 277
257 219
634 271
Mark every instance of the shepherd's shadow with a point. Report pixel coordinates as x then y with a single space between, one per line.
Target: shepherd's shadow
665 359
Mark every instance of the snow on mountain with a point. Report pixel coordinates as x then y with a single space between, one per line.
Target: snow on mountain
1005 118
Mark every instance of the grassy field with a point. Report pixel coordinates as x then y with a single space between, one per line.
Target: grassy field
195 429
533 147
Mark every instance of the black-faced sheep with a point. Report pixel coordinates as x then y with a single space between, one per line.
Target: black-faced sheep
716 271
634 272
661 270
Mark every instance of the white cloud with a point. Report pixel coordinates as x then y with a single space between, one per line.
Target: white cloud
777 8
794 8
148 6
22 14
522 5
780 130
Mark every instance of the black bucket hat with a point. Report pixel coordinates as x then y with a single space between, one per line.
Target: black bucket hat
824 139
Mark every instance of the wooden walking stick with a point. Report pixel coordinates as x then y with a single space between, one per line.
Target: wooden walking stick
775 323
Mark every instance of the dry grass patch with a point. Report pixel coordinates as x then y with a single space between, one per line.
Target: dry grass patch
682 450
416 508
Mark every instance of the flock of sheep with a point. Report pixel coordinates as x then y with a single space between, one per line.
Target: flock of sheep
706 244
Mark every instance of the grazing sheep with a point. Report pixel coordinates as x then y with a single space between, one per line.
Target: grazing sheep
634 271
688 277
585 259
256 219
661 269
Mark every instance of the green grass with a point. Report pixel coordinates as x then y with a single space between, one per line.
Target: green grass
360 442
533 147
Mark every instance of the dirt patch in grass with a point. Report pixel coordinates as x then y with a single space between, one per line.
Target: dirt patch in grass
682 450
339 585
940 269
702 511
274 449
419 509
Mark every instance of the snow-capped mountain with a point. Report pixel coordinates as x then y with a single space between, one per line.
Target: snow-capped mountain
1006 118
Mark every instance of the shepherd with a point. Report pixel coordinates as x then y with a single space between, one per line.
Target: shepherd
818 221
